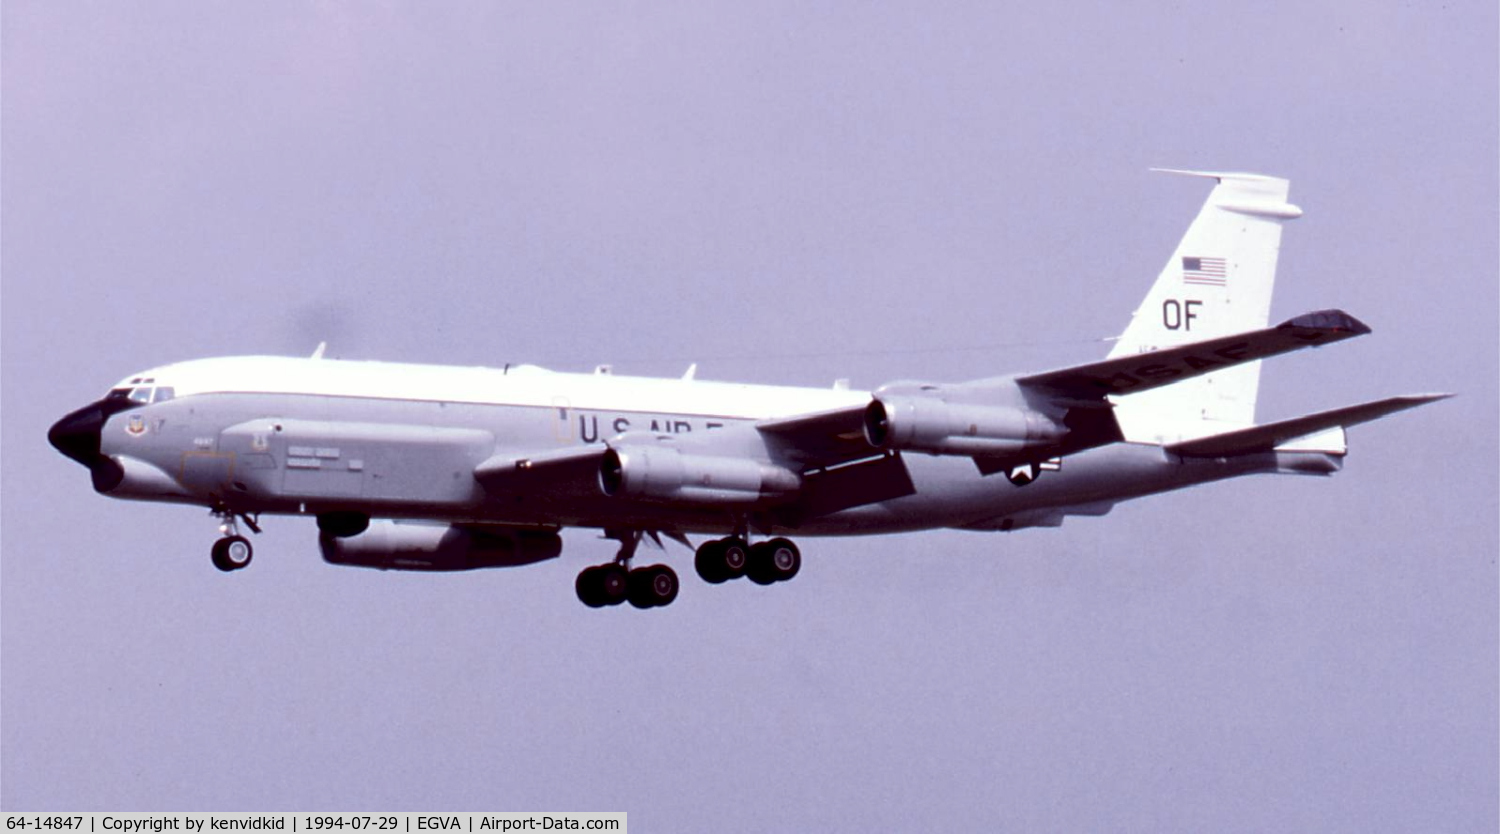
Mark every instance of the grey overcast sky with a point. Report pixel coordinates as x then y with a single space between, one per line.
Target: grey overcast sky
788 193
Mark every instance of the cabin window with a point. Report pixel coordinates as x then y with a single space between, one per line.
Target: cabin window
163 393
141 394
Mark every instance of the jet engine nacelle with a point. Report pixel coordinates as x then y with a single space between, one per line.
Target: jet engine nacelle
660 473
425 547
928 424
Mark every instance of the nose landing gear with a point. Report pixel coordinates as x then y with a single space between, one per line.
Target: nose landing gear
233 552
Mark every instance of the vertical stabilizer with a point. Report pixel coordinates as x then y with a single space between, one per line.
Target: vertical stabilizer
1217 283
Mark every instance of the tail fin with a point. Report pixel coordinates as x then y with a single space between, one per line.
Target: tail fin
1217 283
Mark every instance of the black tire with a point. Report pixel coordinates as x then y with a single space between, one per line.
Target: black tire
587 588
735 557
709 562
232 553
774 561
786 559
614 583
665 585
220 558
653 586
759 568
343 525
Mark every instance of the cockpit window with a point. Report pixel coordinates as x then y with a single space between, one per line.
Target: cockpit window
143 394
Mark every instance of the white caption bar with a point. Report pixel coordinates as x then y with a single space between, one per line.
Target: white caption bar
313 823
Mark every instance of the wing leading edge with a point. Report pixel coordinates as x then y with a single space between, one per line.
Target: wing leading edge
1085 384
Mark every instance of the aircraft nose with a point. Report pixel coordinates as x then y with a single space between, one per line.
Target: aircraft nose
77 434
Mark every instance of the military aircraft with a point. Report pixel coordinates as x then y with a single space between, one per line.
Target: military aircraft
470 467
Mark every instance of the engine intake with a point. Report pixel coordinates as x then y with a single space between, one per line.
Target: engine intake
928 424
424 547
658 473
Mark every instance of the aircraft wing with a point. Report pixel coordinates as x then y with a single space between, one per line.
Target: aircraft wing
839 466
814 440
1267 437
1083 385
559 474
821 438
826 451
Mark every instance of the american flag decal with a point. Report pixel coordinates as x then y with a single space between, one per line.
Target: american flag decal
1210 271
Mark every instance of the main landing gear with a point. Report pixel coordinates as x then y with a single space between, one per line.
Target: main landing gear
233 552
771 561
717 561
615 582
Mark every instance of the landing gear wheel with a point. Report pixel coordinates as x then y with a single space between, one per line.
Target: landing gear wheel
774 561
721 560
602 585
708 563
614 583
735 558
232 553
653 586
587 588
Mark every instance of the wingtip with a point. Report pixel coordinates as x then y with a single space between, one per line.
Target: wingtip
1336 320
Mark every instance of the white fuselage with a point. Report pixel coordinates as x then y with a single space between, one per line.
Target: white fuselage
288 435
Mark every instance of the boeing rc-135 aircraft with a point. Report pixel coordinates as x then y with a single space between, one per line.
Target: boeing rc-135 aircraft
481 467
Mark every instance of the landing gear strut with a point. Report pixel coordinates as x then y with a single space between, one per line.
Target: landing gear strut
615 582
233 552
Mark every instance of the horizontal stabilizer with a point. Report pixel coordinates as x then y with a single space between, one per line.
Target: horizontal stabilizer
1144 371
1268 437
